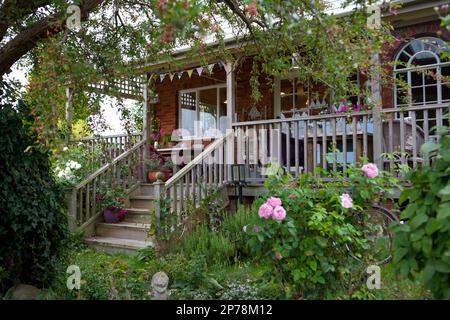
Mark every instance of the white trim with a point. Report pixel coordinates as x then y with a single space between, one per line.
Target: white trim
439 45
197 90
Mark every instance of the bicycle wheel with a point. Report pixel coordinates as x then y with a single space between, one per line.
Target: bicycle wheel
376 220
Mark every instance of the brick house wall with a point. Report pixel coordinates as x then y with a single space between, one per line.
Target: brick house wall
402 36
167 107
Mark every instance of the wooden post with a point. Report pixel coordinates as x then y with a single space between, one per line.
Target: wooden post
69 112
229 69
145 115
72 217
159 196
374 22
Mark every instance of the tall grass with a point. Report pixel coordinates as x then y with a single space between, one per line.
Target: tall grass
212 245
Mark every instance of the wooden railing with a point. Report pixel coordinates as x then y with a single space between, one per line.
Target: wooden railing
302 144
125 171
206 172
333 141
405 130
111 146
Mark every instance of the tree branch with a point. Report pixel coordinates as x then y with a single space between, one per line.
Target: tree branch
14 10
44 28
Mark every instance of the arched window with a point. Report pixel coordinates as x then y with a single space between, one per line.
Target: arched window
421 73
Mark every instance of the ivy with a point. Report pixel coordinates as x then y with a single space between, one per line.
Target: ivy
422 241
33 224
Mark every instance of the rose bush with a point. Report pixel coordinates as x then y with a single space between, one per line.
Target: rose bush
306 227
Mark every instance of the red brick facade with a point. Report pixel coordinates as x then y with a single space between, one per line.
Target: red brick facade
167 108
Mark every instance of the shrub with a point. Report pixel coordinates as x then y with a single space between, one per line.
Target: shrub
421 244
307 226
33 225
74 163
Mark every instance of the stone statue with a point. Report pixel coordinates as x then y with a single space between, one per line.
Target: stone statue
160 282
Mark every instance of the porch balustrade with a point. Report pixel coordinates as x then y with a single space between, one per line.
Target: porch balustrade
334 141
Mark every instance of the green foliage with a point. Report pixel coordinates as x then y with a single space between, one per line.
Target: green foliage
422 243
233 226
74 163
309 249
33 224
213 245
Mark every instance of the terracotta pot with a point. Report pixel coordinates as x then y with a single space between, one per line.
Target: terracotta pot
153 176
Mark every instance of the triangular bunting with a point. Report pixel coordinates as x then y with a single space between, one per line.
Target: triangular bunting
162 76
210 68
171 75
199 70
189 72
180 74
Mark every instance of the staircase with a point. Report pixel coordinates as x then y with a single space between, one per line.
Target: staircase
127 171
132 233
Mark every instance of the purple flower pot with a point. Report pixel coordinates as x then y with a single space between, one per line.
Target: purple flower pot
111 215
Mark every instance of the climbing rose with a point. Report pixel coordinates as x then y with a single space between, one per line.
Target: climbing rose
265 211
279 213
346 201
370 170
274 202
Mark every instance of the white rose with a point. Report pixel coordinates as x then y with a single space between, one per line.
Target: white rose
65 149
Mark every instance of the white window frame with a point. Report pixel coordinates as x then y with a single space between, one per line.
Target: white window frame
410 68
197 113
277 93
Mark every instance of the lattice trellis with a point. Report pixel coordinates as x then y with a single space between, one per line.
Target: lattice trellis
123 87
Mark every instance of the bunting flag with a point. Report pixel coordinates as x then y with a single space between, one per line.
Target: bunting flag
179 74
210 67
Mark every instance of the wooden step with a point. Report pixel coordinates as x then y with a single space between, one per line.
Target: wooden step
115 245
146 189
138 215
123 230
142 202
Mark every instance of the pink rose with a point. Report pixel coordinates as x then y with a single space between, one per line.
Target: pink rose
279 213
346 201
252 9
265 211
274 202
370 170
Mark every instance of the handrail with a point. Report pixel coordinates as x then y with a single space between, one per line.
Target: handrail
197 160
197 179
108 165
137 134
125 171
317 117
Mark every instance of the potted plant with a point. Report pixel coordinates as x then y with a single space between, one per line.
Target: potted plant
112 201
153 168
